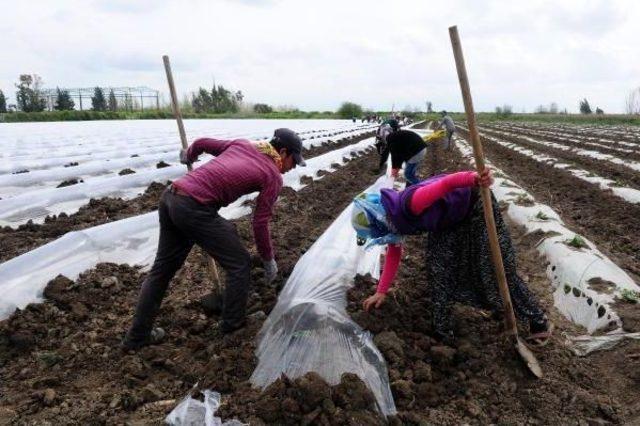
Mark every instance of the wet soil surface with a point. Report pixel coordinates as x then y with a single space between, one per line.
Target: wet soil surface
611 223
623 176
60 361
14 242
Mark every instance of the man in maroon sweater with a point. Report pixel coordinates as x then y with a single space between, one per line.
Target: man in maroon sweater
188 212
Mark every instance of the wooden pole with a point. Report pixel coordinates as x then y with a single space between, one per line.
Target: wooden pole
175 106
183 139
511 327
496 255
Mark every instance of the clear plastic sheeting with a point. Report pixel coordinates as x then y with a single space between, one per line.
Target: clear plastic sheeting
192 412
309 328
133 240
584 345
570 269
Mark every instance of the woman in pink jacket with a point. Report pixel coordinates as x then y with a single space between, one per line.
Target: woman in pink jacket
459 267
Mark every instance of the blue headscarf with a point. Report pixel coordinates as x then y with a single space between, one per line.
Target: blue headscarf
369 219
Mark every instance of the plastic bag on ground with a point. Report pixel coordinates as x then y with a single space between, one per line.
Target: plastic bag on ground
191 412
309 328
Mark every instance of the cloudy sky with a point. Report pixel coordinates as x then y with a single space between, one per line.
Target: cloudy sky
315 54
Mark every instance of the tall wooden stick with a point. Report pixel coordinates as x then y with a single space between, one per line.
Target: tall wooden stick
183 138
509 317
496 255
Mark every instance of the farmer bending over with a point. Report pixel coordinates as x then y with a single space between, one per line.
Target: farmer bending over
459 268
188 213
404 146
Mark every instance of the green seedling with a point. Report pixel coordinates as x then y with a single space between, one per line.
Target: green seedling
577 241
523 199
630 295
542 216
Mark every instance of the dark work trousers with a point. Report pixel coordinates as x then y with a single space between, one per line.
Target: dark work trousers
449 144
183 223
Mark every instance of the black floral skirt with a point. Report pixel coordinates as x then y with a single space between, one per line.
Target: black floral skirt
460 270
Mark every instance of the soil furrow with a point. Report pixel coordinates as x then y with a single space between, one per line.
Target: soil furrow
635 156
608 137
623 176
611 223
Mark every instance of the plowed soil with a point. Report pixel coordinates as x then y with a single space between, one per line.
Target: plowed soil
611 223
478 378
619 173
60 362
588 141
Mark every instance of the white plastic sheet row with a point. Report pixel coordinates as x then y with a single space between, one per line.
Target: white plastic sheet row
24 141
570 269
628 194
133 240
37 204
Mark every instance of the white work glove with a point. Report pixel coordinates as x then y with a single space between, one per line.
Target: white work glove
270 270
184 159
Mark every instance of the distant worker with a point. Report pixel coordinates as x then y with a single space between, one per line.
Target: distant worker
384 130
449 125
404 146
458 266
188 212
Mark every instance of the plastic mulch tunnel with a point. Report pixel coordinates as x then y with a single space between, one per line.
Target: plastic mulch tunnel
310 330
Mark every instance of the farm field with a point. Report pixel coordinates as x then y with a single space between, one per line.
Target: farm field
59 336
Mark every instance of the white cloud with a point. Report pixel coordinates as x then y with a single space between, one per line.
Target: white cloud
315 54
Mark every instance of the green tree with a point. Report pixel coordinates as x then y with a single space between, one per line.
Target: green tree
29 97
599 111
218 100
98 101
349 110
202 102
429 107
504 111
113 102
3 102
63 101
585 108
262 108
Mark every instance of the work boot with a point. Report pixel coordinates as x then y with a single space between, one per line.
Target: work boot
212 304
156 336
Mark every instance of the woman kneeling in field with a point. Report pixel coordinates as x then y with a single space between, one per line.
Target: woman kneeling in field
459 268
